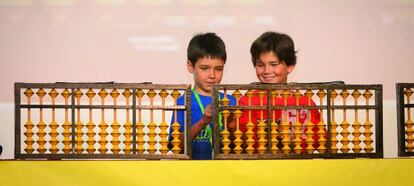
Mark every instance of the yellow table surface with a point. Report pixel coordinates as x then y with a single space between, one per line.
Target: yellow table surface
213 172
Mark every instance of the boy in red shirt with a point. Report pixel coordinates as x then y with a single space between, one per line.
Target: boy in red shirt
274 57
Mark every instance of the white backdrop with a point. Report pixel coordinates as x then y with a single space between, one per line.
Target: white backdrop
364 42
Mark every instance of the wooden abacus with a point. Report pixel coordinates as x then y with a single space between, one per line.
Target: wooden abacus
300 121
404 116
99 121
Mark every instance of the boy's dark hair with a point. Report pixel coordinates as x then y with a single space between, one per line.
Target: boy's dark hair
278 43
206 45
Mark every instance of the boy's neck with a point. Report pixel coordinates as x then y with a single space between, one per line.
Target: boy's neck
202 92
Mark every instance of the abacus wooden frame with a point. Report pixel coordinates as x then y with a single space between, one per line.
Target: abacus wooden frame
378 107
185 154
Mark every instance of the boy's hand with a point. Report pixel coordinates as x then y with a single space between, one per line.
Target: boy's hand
207 115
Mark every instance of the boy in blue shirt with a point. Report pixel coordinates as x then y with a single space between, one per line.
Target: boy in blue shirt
206 56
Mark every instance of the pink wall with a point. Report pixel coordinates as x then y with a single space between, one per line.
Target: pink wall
364 42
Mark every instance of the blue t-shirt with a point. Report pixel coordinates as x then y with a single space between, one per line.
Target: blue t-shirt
201 147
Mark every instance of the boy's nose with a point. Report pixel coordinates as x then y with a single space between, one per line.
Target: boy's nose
268 69
212 74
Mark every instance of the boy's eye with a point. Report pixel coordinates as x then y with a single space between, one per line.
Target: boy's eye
219 69
275 63
259 64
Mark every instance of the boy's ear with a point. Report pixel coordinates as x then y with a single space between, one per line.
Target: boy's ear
290 68
190 67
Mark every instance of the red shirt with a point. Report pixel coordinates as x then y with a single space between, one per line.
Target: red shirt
279 101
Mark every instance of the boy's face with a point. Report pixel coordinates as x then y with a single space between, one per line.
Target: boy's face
207 71
269 69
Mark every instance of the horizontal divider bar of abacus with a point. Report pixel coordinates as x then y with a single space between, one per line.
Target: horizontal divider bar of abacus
405 153
298 156
300 86
179 107
102 85
143 107
406 85
337 107
408 105
102 156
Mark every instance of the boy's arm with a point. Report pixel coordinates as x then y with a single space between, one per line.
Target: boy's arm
199 125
